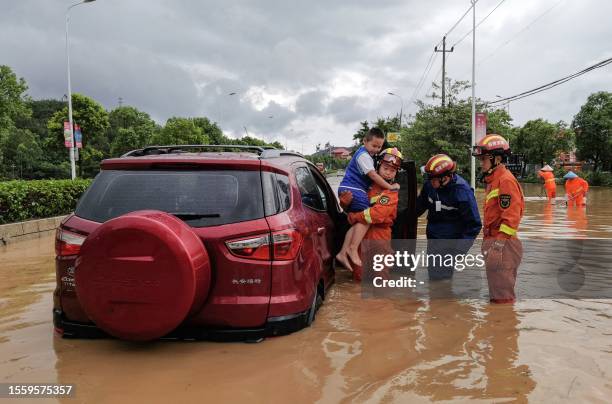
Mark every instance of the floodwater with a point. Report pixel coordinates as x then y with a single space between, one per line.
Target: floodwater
374 350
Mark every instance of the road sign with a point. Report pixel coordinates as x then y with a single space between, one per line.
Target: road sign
393 137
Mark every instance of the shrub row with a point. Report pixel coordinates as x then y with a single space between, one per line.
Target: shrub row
24 200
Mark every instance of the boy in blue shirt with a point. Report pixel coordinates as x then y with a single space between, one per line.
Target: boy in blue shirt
359 176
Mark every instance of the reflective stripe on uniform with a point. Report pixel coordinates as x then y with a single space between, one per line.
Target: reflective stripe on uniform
366 215
493 194
436 161
504 228
374 199
549 180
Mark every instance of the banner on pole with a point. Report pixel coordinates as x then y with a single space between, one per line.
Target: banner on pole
481 125
78 137
67 134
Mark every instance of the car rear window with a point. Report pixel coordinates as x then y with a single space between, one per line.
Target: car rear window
200 198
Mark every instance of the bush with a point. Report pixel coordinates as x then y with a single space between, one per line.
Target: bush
598 178
24 200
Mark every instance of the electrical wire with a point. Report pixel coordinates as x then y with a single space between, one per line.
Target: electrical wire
520 32
552 84
477 25
419 87
460 19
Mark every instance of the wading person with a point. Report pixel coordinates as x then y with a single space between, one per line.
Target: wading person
452 212
576 189
503 209
360 175
547 175
382 208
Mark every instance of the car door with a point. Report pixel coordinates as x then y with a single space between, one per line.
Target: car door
315 202
326 226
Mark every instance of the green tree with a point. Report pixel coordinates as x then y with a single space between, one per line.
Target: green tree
210 129
129 129
180 131
389 124
541 141
93 120
448 129
13 108
593 127
22 153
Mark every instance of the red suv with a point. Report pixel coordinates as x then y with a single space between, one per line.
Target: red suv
210 242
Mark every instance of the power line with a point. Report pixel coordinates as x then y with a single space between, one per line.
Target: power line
480 22
460 19
552 84
521 31
433 57
423 80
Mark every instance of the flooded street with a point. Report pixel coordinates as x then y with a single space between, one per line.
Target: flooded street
358 350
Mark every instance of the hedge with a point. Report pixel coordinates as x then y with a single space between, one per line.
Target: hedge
24 200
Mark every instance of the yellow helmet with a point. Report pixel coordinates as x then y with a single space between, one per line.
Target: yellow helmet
391 156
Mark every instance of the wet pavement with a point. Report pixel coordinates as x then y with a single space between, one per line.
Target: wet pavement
358 350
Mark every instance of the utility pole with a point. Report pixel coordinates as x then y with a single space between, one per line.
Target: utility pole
444 52
472 159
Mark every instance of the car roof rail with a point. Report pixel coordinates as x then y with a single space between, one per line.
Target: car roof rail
151 150
272 153
264 152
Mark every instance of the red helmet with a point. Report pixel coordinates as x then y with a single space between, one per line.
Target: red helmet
439 166
491 144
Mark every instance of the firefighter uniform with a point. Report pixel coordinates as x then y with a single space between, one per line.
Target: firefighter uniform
549 183
576 189
380 216
503 210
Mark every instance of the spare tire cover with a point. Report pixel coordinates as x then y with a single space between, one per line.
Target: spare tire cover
138 276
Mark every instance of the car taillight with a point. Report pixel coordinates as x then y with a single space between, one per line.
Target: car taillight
257 248
67 243
285 246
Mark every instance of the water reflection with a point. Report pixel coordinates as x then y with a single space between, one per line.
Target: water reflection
389 350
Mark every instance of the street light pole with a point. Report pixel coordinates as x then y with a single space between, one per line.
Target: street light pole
73 144
401 108
472 159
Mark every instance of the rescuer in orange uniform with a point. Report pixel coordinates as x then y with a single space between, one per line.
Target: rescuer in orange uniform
576 189
383 204
503 210
546 173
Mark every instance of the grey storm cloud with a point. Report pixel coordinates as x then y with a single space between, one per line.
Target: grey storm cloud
326 63
347 109
310 103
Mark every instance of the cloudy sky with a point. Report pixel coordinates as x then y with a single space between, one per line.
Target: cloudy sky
304 72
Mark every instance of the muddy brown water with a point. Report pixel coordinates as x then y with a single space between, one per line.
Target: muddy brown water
375 350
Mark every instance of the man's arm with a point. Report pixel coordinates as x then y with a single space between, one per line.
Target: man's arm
384 210
380 181
422 204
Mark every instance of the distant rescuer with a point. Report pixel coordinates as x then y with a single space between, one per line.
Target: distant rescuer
452 211
503 209
546 173
576 189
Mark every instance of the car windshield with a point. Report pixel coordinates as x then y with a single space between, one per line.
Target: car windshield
200 198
